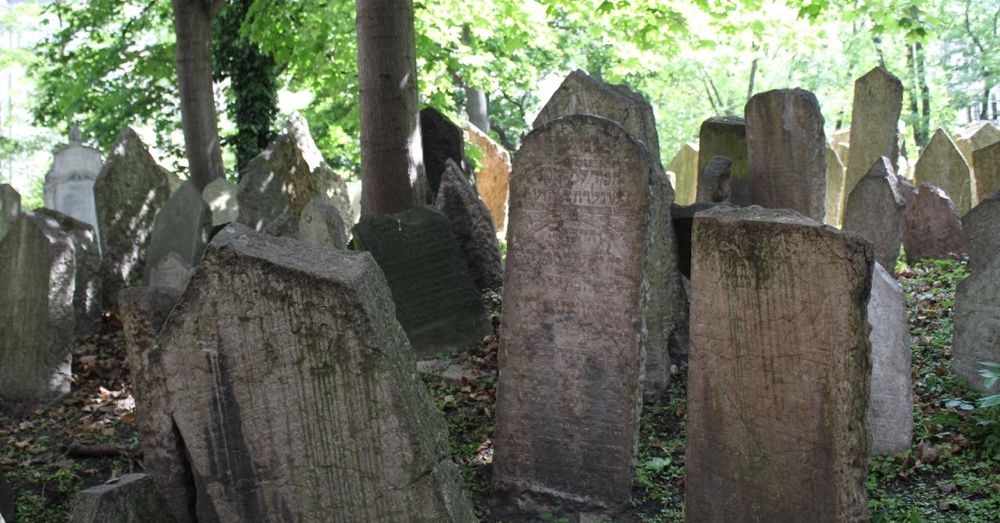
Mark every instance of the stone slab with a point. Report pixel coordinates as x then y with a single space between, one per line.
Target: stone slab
835 173
10 207
87 267
715 180
133 498
182 227
321 224
876 211
878 103
220 195
684 165
890 407
727 136
942 164
987 172
472 227
981 228
933 229
442 140
493 176
977 324
172 272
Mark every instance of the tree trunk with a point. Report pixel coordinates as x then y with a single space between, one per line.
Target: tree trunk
193 27
392 166
920 104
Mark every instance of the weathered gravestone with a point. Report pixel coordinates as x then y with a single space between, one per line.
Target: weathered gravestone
436 299
835 173
493 176
715 180
682 217
727 136
974 136
942 164
878 102
933 229
295 393
581 93
442 140
779 372
128 193
69 184
876 210
132 498
321 224
472 226
220 195
982 233
987 173
182 227
10 208
977 324
786 152
890 407
589 291
87 267
172 271
684 165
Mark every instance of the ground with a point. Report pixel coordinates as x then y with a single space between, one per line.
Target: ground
950 474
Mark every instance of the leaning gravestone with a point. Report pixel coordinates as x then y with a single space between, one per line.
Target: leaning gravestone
933 229
321 224
684 165
442 140
10 208
942 164
436 299
876 211
834 187
220 195
37 317
310 405
890 407
779 372
182 227
878 102
493 177
581 93
132 498
69 184
472 226
977 324
87 267
786 152
715 180
981 232
128 193
588 297
987 173
172 272
727 136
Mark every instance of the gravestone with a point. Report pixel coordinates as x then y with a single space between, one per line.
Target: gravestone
69 184
727 136
982 235
685 168
786 152
493 176
172 272
220 195
589 296
284 225
779 372
976 135
876 211
878 102
128 193
442 140
318 179
715 180
132 498
321 224
37 317
835 173
182 227
977 324
295 393
933 229
682 217
942 164
890 407
87 268
581 93
261 195
10 208
472 227
987 173
436 299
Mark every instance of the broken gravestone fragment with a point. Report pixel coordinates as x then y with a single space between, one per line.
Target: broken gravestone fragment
890 408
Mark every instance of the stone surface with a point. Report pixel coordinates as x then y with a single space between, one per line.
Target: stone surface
942 164
878 102
581 93
182 227
69 184
976 135
172 272
786 152
715 180
682 217
295 392
684 165
6 502
589 305
982 232
436 299
220 195
10 207
133 498
493 176
128 193
987 173
87 267
779 372
472 227
285 224
933 229
835 173
841 142
321 224
442 140
977 324
876 211
890 407
727 136
261 194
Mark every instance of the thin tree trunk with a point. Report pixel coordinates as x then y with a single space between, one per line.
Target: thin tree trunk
477 109
753 75
392 167
193 28
925 98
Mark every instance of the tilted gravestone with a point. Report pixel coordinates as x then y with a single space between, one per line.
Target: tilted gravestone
933 229
982 235
779 372
172 271
876 210
727 136
220 195
493 176
10 208
581 93
684 165
589 294
442 140
715 180
472 226
835 172
321 224
69 184
977 324
294 390
132 498
878 102
786 152
987 173
128 193
942 164
87 267
436 299
890 407
182 227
